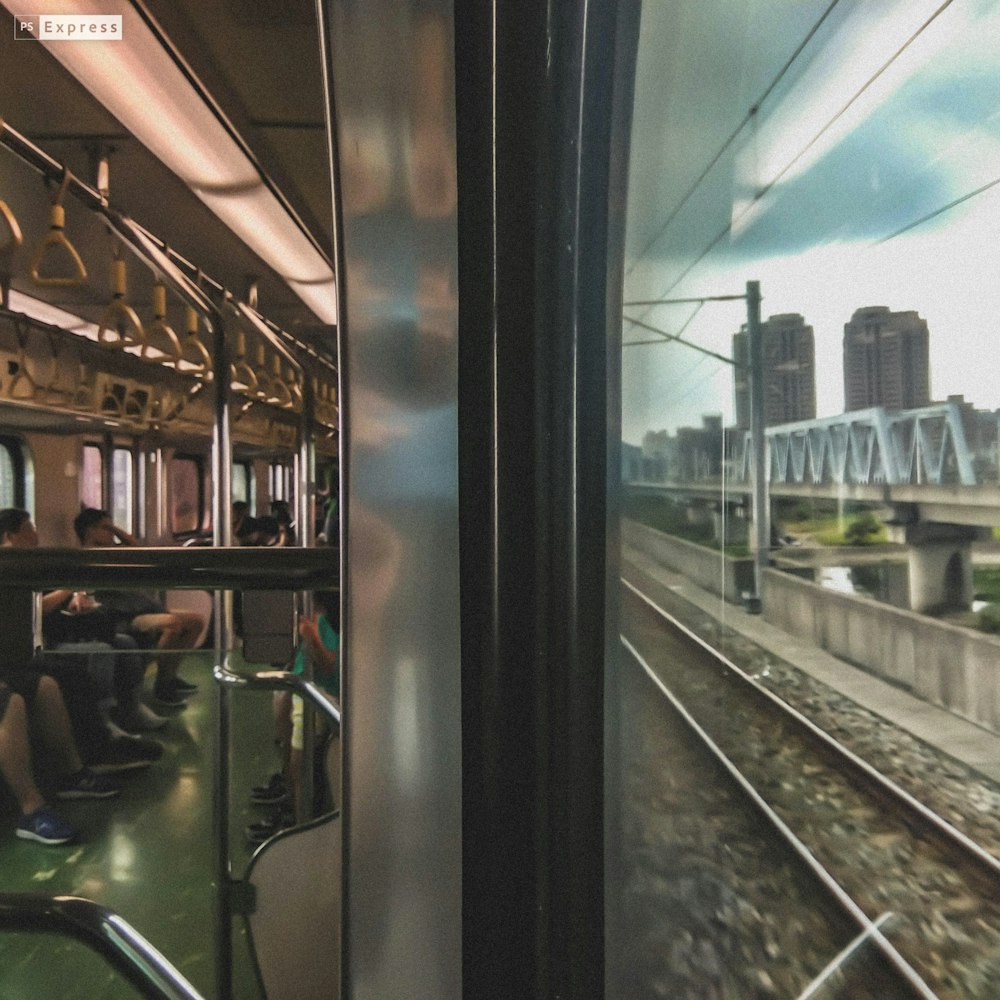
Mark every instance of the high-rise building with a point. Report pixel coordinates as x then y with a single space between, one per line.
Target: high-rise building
789 371
886 360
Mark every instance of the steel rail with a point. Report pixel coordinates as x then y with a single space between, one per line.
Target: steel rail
941 826
910 976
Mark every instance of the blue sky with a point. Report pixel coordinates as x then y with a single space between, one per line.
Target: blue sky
843 166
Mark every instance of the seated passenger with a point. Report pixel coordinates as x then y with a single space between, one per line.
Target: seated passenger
77 691
113 661
38 820
140 613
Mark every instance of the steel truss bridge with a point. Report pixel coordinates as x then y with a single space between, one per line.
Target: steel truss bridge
917 459
876 446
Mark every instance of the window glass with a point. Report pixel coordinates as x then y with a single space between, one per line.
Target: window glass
242 482
280 481
187 497
11 474
92 476
123 488
810 442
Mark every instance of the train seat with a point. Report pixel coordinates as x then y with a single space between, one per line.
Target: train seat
295 924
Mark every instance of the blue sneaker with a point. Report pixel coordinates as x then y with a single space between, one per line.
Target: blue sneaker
46 827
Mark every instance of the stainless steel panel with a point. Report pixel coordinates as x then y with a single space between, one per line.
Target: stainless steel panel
394 96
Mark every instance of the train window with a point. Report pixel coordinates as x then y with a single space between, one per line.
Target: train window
242 485
123 488
13 492
810 442
187 494
92 476
281 478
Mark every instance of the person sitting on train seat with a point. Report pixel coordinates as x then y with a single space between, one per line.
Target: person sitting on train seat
241 513
85 627
101 749
321 641
38 820
281 513
141 613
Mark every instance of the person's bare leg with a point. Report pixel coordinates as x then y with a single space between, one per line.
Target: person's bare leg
15 756
181 633
52 726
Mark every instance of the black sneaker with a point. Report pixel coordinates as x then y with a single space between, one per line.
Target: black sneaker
124 753
271 794
86 785
183 687
168 697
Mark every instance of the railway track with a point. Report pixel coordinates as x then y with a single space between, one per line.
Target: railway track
888 852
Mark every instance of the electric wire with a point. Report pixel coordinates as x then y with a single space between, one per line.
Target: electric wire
748 117
770 184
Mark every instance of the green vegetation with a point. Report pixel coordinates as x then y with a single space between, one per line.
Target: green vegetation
672 518
986 583
861 528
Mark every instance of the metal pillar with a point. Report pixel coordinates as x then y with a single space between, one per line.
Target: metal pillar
761 501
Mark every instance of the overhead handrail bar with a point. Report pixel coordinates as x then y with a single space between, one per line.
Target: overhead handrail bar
56 239
165 258
14 236
104 932
173 568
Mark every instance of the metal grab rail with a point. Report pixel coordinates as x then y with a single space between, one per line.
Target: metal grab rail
170 568
277 680
104 932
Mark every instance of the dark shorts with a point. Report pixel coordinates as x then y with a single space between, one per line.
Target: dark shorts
22 681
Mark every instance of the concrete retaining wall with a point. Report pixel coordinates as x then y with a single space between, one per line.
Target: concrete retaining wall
699 564
950 666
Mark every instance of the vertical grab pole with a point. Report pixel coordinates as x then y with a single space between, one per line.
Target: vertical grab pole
761 505
222 534
306 489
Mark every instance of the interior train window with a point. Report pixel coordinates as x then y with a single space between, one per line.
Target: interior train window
123 488
92 477
242 485
12 473
281 476
187 494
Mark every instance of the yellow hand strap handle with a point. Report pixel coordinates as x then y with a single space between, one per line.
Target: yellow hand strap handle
56 243
14 238
241 375
294 389
119 326
161 343
278 394
194 359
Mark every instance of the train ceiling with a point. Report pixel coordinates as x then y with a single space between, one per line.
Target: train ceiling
260 62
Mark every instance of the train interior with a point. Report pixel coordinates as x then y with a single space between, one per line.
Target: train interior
206 131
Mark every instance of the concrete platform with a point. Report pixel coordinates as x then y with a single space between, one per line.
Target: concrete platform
972 745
